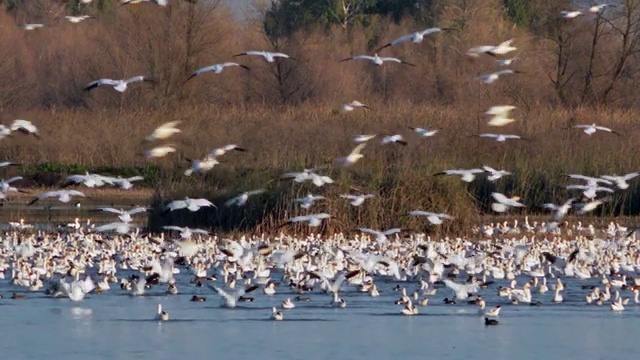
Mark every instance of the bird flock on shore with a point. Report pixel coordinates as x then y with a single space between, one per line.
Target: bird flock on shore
515 262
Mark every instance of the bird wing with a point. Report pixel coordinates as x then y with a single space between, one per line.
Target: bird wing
202 202
75 193
399 40
224 294
135 79
298 219
111 210
95 84
173 227
16 178
370 231
420 213
137 210
177 204
392 231
357 149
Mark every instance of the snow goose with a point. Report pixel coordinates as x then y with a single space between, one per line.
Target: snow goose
363 138
559 211
159 151
500 49
192 205
241 200
591 205
415 37
288 304
313 220
493 77
500 137
462 290
164 131
409 309
500 115
345 108
434 218
353 157
276 315
590 191
118 85
230 300
621 181
394 139
495 174
24 126
5 185
161 315
126 183
466 175
567 15
77 19
123 215
593 128
216 69
424 132
118 227
356 200
377 60
267 56
503 202
381 236
62 195
32 26
307 201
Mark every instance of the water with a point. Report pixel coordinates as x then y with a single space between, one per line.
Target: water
113 325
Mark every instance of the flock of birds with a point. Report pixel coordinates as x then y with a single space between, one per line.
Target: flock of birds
511 261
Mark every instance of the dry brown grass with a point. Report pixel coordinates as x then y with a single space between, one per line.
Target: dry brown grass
283 113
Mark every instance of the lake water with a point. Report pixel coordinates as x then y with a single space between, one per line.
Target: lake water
113 325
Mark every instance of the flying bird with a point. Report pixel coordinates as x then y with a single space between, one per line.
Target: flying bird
164 131
466 175
62 195
500 115
416 37
357 200
493 77
495 174
118 85
353 157
566 14
503 203
159 151
363 138
216 69
424 132
394 139
500 49
192 205
621 181
24 126
500 137
241 200
314 220
377 60
267 56
591 129
434 218
355 104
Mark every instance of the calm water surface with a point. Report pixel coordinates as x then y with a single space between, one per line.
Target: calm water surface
114 325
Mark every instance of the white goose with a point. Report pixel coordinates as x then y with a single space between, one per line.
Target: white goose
500 115
241 200
353 157
377 60
267 56
493 77
118 85
216 69
192 205
164 131
500 49
357 200
62 195
593 128
434 218
466 175
345 108
415 37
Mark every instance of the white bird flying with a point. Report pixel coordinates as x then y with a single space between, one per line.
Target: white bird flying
500 49
591 129
267 56
164 131
241 200
159 151
5 185
119 227
216 69
621 181
353 157
500 137
462 290
192 205
493 77
381 236
394 139
506 62
357 200
24 126
363 138
62 195
201 166
32 26
186 232
424 132
118 85
345 108
495 174
503 203
377 60
570 14
126 183
314 220
124 215
500 115
434 218
415 37
591 205
466 175
559 211
77 19
89 180
590 191
595 9
230 300
225 149
307 201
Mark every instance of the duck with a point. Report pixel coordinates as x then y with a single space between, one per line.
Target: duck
449 301
18 296
276 315
196 298
302 298
288 304
490 322
172 290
